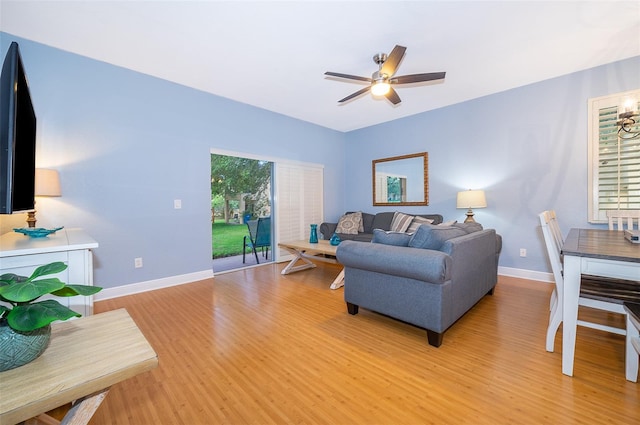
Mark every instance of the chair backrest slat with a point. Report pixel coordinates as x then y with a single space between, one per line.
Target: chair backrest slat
620 218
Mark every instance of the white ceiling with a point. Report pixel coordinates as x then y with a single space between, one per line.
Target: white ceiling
273 54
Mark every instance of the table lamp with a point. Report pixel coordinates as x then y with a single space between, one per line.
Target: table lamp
471 199
47 184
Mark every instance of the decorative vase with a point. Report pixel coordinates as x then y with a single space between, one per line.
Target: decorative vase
335 240
19 348
313 237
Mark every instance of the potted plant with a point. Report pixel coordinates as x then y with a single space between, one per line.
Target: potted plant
24 321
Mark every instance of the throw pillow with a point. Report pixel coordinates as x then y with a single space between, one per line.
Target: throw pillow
417 221
400 222
358 213
390 238
349 224
432 237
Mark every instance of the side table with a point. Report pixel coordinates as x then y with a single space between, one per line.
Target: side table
84 358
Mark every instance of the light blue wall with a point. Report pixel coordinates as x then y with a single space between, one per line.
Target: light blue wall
127 145
526 147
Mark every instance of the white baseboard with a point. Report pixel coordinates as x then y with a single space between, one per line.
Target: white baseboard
150 285
526 274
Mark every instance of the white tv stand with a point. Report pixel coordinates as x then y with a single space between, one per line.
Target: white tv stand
22 254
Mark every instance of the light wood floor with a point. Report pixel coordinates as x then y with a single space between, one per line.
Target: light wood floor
256 347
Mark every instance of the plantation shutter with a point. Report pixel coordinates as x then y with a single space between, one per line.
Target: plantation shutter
298 200
614 160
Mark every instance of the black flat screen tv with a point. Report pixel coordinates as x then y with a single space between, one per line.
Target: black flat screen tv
17 137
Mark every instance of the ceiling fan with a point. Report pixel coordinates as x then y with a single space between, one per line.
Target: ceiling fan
382 80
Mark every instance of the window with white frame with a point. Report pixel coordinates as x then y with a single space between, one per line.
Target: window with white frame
614 154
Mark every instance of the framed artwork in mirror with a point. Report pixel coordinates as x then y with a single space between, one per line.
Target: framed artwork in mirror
401 180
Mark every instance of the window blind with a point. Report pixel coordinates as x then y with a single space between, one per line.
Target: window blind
298 200
614 160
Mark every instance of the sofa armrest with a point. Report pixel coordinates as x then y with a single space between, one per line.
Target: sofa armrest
474 256
481 243
414 263
327 230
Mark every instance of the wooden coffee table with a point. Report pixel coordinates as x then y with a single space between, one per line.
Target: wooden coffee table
304 251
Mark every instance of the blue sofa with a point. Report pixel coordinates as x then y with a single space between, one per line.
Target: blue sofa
429 284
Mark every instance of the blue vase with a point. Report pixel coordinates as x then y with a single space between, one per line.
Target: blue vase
313 237
335 240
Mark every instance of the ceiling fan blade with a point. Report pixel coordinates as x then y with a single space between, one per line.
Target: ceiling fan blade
418 78
348 76
393 96
393 60
356 94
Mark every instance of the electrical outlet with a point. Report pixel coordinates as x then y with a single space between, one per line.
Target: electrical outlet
523 252
177 204
137 262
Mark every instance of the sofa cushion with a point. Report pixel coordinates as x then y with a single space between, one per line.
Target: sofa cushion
469 227
432 237
448 223
382 220
416 222
349 224
367 222
400 222
390 238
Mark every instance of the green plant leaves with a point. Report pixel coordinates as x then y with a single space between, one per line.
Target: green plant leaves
22 292
9 278
37 315
51 268
30 290
73 290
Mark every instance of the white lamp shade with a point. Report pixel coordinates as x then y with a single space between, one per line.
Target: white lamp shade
471 199
47 182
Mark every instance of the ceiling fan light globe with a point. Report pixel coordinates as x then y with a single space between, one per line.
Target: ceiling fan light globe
380 89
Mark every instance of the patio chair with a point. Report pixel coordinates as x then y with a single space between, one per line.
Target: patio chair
259 237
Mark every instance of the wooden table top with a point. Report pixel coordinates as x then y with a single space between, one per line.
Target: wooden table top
322 247
598 243
84 356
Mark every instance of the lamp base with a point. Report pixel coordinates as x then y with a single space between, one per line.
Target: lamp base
469 218
31 218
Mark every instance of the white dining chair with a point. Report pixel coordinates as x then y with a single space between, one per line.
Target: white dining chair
592 294
554 226
622 218
633 341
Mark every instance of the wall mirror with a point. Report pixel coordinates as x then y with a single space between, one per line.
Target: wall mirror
401 180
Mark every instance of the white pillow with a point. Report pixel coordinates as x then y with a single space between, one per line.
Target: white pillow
417 221
349 224
400 222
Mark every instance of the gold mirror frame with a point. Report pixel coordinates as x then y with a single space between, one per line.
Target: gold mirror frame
404 174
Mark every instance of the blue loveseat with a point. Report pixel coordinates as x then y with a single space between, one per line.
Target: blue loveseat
429 279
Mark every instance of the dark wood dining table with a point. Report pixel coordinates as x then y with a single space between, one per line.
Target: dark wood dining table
593 252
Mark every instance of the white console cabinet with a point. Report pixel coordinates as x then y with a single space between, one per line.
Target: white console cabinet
22 254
